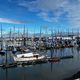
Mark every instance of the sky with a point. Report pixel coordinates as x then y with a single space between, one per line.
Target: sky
33 14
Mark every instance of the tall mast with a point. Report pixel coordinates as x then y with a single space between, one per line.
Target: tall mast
34 33
52 34
72 34
40 38
1 38
14 36
46 32
14 31
33 37
68 32
55 33
40 33
24 31
27 37
58 33
18 37
10 34
24 37
78 32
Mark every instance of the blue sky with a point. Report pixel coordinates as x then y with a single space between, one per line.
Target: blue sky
56 14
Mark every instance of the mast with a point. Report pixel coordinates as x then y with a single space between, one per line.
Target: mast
46 32
24 37
72 34
78 32
55 33
24 31
14 36
52 36
40 38
40 33
1 38
68 32
18 37
27 36
10 34
33 37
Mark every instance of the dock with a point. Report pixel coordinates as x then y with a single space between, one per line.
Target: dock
43 61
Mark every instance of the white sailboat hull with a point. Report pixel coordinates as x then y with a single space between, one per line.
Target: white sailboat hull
16 59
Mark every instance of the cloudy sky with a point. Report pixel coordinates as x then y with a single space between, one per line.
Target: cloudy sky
56 14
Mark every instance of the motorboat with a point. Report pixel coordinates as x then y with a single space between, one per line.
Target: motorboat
54 59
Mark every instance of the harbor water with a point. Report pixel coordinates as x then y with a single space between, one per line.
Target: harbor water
47 71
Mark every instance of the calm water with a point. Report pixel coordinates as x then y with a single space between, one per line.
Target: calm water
48 71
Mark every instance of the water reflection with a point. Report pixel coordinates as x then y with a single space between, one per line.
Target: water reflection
52 52
47 71
6 74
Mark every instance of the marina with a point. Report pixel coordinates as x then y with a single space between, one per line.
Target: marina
39 40
28 52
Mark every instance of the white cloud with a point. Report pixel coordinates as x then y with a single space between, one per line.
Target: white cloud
6 20
57 7
46 17
44 7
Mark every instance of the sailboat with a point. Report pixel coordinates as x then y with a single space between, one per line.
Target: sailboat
27 56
